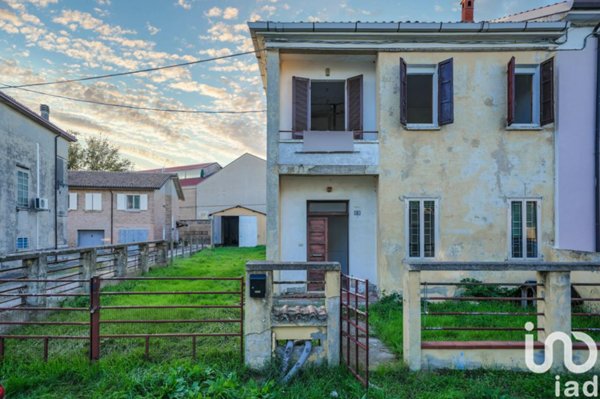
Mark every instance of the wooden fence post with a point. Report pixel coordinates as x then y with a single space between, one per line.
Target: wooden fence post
94 289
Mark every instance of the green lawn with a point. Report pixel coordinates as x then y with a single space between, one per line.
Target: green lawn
170 372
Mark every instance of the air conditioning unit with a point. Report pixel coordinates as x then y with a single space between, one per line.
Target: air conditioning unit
40 204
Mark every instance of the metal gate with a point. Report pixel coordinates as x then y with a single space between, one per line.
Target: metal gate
354 326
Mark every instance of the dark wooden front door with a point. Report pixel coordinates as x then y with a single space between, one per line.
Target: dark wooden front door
317 249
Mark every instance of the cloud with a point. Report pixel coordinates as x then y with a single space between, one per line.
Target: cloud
75 18
214 12
185 4
153 30
41 3
438 8
230 13
269 9
103 2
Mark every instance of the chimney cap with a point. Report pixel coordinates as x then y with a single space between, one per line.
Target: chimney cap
45 111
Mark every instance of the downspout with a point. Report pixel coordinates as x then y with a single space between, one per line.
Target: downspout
112 206
56 188
597 143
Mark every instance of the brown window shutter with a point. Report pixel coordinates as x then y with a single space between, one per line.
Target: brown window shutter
355 105
446 92
300 106
547 92
510 114
403 92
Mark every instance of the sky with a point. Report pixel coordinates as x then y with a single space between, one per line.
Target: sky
44 40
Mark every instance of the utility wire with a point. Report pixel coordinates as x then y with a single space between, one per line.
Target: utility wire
112 75
172 110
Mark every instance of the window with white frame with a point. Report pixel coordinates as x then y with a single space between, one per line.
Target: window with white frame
527 96
22 188
93 201
72 201
524 228
22 243
422 96
133 202
422 227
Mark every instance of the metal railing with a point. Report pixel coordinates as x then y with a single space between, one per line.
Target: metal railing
354 326
116 317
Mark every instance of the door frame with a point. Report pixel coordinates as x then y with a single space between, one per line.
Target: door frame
326 214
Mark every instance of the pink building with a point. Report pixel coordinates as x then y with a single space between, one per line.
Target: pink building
121 207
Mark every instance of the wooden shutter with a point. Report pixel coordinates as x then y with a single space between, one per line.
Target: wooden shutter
403 92
510 112
144 202
547 92
355 105
446 92
121 202
300 106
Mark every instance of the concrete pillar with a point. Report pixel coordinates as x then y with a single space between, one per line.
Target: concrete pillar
273 224
37 269
258 340
162 253
88 266
557 310
121 261
332 303
411 305
144 261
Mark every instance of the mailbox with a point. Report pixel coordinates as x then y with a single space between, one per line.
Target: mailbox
258 285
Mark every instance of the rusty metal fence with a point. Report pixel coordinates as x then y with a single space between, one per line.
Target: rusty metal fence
98 291
354 326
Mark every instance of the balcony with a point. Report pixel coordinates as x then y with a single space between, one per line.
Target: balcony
328 152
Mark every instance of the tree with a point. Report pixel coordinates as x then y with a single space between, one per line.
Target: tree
98 154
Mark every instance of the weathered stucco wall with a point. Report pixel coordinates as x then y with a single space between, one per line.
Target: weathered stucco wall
360 191
19 141
472 166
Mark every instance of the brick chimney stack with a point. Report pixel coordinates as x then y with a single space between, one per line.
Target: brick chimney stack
468 8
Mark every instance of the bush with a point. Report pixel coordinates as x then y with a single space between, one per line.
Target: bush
475 288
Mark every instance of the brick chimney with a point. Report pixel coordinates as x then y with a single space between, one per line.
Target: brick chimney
45 111
468 8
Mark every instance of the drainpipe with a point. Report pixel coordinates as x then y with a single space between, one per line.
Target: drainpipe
56 188
597 143
112 207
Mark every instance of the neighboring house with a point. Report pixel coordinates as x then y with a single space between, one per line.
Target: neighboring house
577 138
122 207
33 187
235 200
189 225
390 143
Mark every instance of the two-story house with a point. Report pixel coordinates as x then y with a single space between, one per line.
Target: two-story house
122 207
395 142
33 187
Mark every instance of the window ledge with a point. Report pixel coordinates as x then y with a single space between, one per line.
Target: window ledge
422 128
524 127
294 141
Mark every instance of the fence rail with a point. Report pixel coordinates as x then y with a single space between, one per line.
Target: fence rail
120 315
474 317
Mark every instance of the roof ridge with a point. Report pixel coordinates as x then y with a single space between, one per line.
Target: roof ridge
534 9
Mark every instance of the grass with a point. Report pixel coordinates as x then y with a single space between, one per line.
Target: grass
170 371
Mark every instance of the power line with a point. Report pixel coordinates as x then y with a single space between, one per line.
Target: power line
172 110
112 75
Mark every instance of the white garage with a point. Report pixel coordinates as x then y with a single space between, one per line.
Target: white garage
238 227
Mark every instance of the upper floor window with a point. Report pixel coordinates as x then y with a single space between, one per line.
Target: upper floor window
530 94
133 202
422 227
22 188
93 201
524 228
327 105
426 94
